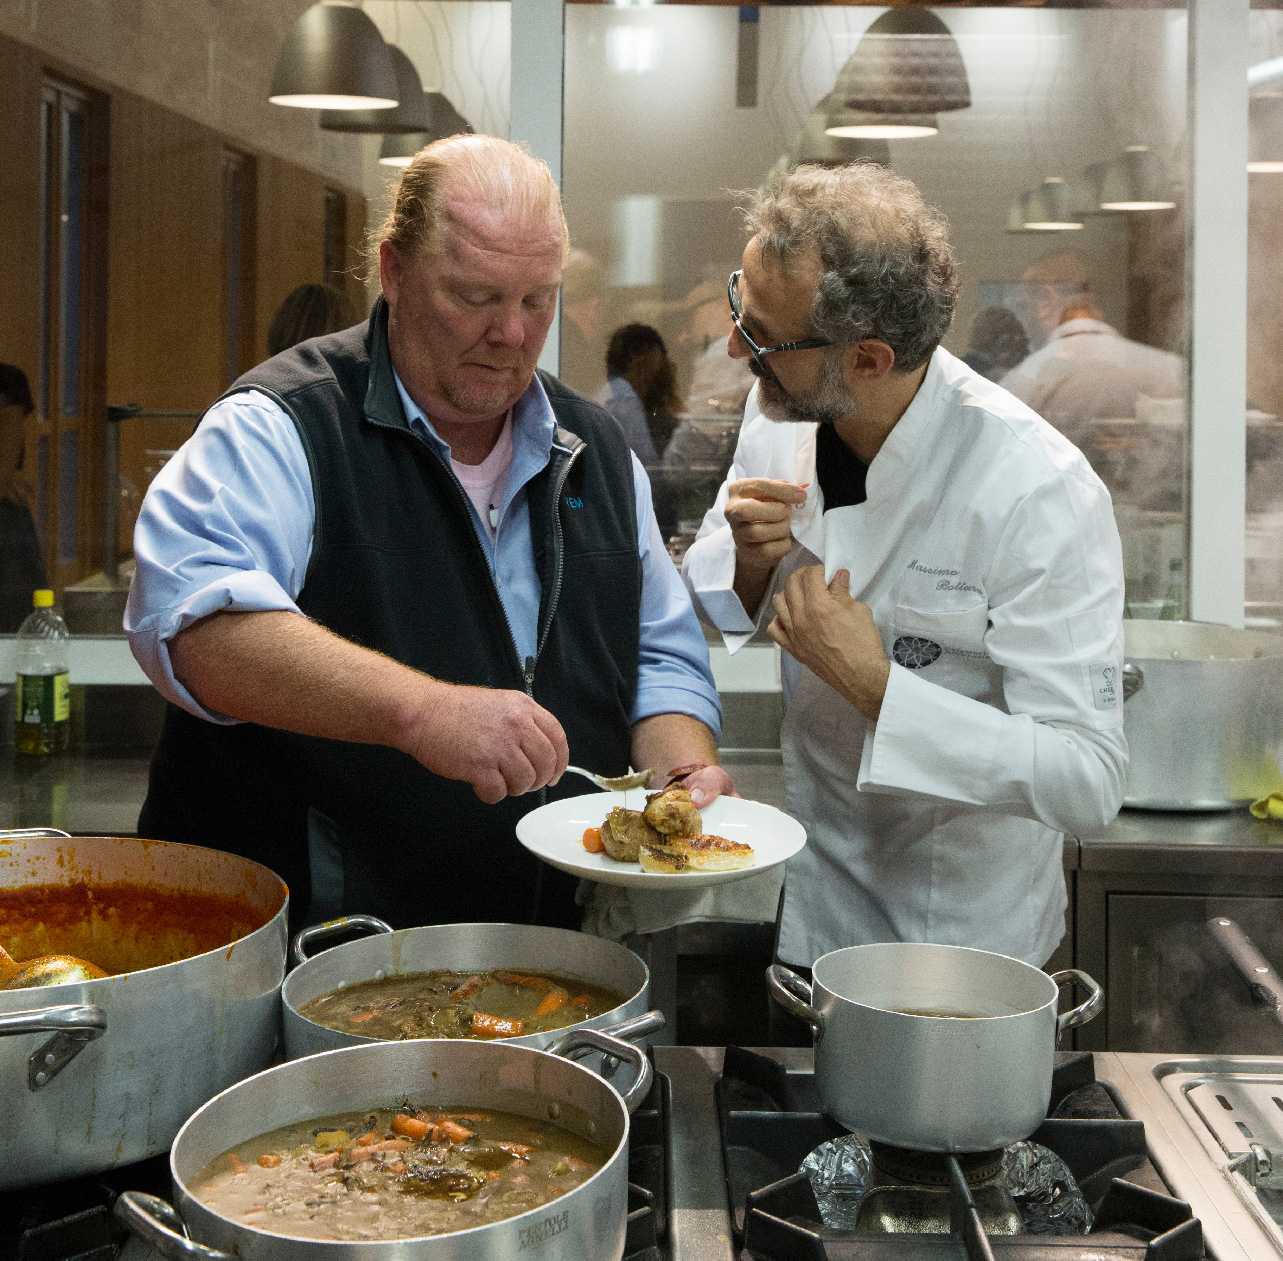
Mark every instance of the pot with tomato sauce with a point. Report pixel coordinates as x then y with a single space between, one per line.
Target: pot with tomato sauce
415 1151
514 983
103 1070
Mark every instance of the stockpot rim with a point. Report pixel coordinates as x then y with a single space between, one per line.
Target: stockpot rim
184 1191
925 946
97 985
360 1039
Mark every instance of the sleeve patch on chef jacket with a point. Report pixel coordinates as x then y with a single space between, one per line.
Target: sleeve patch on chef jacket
1104 684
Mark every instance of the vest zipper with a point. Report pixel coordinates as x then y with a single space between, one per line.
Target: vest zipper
558 558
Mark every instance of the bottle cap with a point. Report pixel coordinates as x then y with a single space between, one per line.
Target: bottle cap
42 599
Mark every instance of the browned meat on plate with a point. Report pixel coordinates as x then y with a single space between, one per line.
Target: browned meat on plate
673 813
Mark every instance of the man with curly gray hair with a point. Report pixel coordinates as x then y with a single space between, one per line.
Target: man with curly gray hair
945 580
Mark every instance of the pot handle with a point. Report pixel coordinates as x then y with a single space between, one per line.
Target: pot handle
637 1027
30 834
599 1040
155 1222
793 994
73 1026
332 928
1133 680
1088 1009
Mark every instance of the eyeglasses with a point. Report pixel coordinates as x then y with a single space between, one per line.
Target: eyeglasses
759 352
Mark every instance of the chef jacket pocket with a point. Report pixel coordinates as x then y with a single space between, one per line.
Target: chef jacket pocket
921 636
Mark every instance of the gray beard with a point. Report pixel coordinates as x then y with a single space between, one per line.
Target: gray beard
826 404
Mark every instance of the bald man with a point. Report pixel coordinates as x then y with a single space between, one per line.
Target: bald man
398 578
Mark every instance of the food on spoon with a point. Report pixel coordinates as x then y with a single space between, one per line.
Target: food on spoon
624 833
701 853
672 812
448 1004
396 1188
21 974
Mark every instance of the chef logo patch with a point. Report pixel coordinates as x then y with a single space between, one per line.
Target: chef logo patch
913 652
1104 684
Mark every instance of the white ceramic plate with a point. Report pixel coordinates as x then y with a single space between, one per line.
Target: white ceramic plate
555 833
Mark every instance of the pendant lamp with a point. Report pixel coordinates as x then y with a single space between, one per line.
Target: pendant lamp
444 119
410 114
816 144
1048 208
1265 136
1135 182
906 69
334 58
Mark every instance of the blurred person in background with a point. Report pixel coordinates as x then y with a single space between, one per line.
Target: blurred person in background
639 382
22 567
998 342
583 324
309 311
1050 283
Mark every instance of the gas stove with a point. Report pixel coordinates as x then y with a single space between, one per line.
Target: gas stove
1127 1126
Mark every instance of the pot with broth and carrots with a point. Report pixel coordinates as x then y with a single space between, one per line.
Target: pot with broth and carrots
182 952
418 1150
510 982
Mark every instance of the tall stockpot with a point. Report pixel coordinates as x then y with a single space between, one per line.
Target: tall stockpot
458 948
933 1082
132 1056
586 1224
1203 714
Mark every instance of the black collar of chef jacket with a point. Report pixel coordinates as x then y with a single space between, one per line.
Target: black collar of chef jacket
839 470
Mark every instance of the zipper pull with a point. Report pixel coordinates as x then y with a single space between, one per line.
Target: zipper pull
530 677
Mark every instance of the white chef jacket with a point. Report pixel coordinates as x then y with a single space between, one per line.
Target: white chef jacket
988 554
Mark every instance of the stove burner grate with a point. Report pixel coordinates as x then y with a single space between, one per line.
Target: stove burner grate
771 1120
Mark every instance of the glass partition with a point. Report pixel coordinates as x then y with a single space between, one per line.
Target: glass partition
1054 144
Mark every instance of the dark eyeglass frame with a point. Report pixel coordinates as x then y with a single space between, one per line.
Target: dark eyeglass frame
758 352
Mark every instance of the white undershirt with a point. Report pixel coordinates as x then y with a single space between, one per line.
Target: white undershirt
484 482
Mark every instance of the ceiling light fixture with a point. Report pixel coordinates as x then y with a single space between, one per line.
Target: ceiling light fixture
1265 135
1263 71
905 70
334 58
1135 182
1048 208
398 149
410 114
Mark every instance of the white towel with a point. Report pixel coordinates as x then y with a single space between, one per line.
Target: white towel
613 911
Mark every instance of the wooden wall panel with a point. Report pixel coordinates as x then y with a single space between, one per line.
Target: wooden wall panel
358 264
291 236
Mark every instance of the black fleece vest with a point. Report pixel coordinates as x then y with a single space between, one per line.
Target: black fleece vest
397 567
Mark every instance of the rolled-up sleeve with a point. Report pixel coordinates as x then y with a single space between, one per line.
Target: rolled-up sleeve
674 675
1055 629
226 525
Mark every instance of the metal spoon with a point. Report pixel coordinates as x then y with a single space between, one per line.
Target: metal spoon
617 783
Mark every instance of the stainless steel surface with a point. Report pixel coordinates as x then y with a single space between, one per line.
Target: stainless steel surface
73 1027
1204 721
333 928
1237 1226
175 1035
1237 1109
587 1224
613 783
1262 981
460 947
928 1082
1133 680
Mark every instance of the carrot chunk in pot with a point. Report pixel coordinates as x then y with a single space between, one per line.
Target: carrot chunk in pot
487 1026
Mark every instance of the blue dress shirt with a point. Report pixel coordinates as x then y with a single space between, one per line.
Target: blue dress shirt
228 524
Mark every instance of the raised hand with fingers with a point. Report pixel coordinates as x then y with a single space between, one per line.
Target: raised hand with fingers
759 511
833 635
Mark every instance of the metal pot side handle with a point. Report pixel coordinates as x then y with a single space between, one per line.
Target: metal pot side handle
1088 1009
1133 680
74 1027
31 834
793 994
158 1224
634 1056
332 928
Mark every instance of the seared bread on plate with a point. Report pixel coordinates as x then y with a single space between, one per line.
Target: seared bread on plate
662 860
701 853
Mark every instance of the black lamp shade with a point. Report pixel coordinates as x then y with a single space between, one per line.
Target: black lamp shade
398 149
907 62
814 145
410 114
334 58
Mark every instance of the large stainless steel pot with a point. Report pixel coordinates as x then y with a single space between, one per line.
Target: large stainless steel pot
134 1054
1203 714
928 1082
587 1224
458 947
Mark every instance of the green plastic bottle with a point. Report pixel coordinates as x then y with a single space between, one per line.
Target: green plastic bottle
42 693
1174 601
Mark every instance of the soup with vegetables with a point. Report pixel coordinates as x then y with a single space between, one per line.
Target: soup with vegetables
441 1004
395 1174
